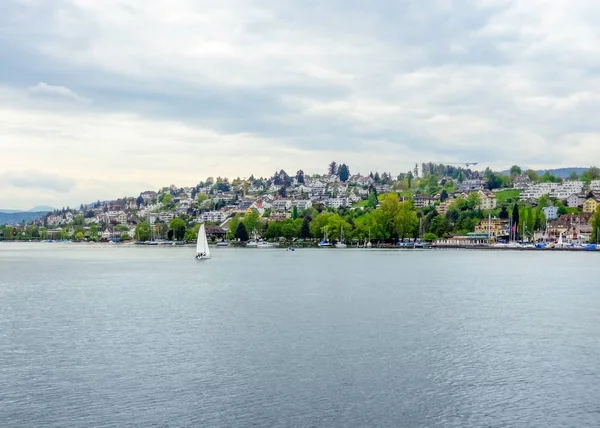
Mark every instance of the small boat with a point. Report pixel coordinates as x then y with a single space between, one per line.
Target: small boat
202 250
223 244
341 243
290 249
325 242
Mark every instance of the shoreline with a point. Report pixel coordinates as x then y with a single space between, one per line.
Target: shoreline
286 246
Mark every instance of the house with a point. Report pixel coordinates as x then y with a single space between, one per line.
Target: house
383 188
551 213
421 201
469 186
495 226
149 195
590 205
281 205
337 202
215 232
166 217
302 204
575 200
487 200
521 182
213 216
595 185
470 240
279 216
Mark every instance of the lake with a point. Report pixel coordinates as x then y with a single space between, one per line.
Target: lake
128 336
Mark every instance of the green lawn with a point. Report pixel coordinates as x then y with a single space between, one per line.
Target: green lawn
504 195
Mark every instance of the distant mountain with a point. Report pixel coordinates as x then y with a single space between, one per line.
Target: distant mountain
20 216
9 211
558 172
41 208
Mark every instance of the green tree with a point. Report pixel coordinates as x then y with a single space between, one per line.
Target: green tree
9 233
593 173
124 237
167 201
409 177
233 224
241 232
282 191
515 170
407 221
178 227
429 237
533 176
573 176
443 196
252 221
515 220
143 232
201 198
273 230
305 228
295 212
79 236
332 170
317 226
289 229
343 172
372 199
93 233
596 227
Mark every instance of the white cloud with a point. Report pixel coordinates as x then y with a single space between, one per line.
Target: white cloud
183 89
43 89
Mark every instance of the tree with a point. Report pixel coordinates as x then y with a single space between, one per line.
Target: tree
178 227
593 173
344 172
288 229
429 237
573 176
124 237
79 236
241 232
372 199
93 232
201 198
596 227
533 176
143 231
406 220
515 170
282 192
139 201
443 196
409 177
305 229
167 201
332 168
294 212
252 221
416 170
300 176
515 221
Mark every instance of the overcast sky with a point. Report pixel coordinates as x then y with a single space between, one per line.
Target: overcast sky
102 99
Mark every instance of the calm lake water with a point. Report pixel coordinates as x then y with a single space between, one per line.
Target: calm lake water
110 336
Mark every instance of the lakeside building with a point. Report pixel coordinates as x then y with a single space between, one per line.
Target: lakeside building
497 227
472 239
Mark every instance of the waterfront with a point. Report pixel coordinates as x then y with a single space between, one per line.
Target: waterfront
109 335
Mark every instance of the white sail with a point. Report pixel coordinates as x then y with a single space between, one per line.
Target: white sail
202 242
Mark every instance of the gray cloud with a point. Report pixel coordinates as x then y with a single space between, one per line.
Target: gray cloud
36 180
494 81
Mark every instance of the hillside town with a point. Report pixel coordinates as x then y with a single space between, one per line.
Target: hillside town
447 205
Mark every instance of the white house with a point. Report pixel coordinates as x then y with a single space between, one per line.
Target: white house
281 205
337 202
575 200
551 213
213 216
487 200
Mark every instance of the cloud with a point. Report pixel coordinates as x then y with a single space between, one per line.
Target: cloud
45 90
184 89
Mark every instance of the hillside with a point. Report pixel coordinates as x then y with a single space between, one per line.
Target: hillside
20 216
558 172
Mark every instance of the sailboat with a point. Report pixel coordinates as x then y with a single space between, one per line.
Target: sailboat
325 242
341 243
202 250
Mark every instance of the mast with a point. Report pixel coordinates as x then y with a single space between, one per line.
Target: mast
489 226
